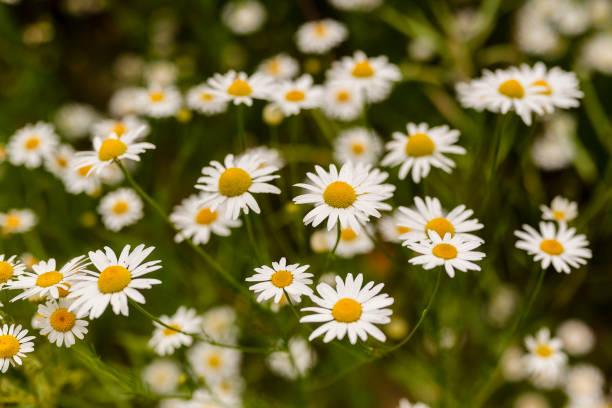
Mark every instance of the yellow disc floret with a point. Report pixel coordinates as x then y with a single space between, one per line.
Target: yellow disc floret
6 271
347 310
547 89
47 279
205 216
32 143
281 279
445 251
170 332
551 247
419 144
544 351
295 95
111 149
339 195
234 182
62 320
362 69
239 88
512 89
9 346
113 279
120 207
348 234
441 226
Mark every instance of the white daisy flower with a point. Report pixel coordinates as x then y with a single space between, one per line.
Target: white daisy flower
233 182
112 174
356 5
351 243
159 102
357 145
10 268
74 120
451 252
125 101
597 53
120 208
162 376
59 324
373 76
577 337
17 221
31 144
244 17
267 156
228 391
46 280
166 341
560 87
113 148
428 216
584 384
545 362
14 344
105 128
422 148
197 221
561 210
341 100
273 282
562 248
219 324
162 73
77 178
292 96
117 280
392 227
349 309
318 37
512 364
295 362
57 162
553 151
214 363
404 403
202 99
239 88
280 66
350 196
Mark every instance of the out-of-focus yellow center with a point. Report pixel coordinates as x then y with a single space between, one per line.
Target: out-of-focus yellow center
113 279
63 292
170 332
6 271
239 88
205 216
62 320
156 96
362 69
32 143
320 29
419 144
234 182
551 247
445 251
441 226
559 215
339 195
402 230
273 67
543 83
357 148
9 346
512 89
120 207
84 171
206 96
61 161
347 310
12 221
295 95
47 279
343 96
214 361
119 129
111 149
347 234
544 351
282 278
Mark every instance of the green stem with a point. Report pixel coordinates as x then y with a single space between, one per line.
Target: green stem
240 122
597 115
249 226
332 253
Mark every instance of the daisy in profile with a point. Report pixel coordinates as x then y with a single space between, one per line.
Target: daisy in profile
374 76
350 308
46 280
561 210
239 88
451 252
57 162
10 268
428 216
59 324
14 344
560 87
162 376
31 144
201 99
392 227
291 96
77 178
562 248
273 282
160 102
350 196
117 280
422 148
17 221
233 183
105 128
279 67
318 37
351 243
404 403
295 362
357 145
165 340
220 324
341 100
111 149
545 362
214 363
197 222
120 208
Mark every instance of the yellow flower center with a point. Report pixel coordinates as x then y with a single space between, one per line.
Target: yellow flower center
63 292
12 221
239 88
119 129
551 247
9 346
512 89
273 67
206 96
47 279
62 320
402 230
343 96
205 216
157 96
347 310
281 279
320 30
559 215
347 234
544 351
234 182
32 143
543 83
120 207
111 149
441 226
84 171
357 148
363 69
295 95
214 361
339 195
61 161
113 279
445 251
170 332
419 144
6 271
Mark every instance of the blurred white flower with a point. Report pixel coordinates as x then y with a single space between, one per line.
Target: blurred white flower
578 338
74 120
244 17
162 375
318 37
294 363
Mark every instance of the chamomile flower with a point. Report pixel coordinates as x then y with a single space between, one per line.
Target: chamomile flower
31 144
404 403
560 210
232 183
318 37
197 221
160 102
113 148
560 87
47 280
74 120
239 88
392 227
77 178
577 337
201 99
125 101
120 208
14 344
292 96
219 324
428 216
228 391
273 282
351 243
57 162
162 73
117 280
59 324
562 248
356 5
374 76
17 221
166 341
162 376
597 53
545 362
10 268
280 66
421 148
350 309
584 384
350 196
295 362
105 128
244 17
214 363
267 156
357 145
341 100
452 252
